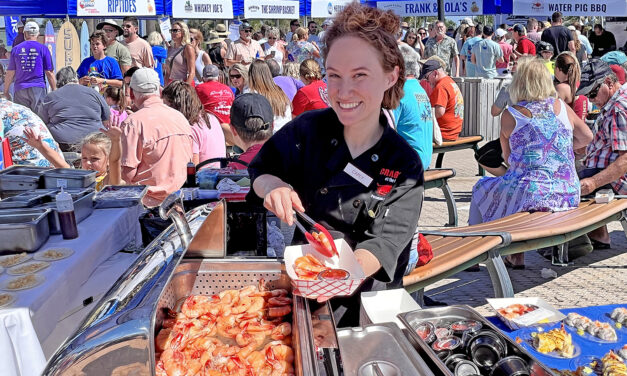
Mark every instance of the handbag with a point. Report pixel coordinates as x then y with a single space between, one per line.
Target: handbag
425 251
490 154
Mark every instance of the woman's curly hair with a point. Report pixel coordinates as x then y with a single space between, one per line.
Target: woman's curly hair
377 28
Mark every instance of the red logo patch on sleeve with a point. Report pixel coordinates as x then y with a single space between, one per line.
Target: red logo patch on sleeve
383 190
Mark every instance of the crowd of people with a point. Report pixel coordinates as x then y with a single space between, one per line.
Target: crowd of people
367 95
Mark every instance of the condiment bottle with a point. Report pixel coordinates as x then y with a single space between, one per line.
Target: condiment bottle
67 220
191 175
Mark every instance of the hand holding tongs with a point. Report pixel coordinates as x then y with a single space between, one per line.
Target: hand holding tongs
326 245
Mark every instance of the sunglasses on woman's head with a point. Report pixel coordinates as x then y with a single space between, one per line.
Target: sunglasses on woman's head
232 76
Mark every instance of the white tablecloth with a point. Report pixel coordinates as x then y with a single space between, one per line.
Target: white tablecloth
35 313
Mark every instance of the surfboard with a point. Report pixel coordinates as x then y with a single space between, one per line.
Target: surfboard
50 42
84 41
68 47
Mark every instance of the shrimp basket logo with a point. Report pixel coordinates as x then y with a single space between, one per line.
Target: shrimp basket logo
394 7
537 6
84 4
188 7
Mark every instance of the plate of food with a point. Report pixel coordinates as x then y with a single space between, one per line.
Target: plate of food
592 330
618 317
6 299
613 364
519 313
555 343
22 283
28 268
12 260
53 254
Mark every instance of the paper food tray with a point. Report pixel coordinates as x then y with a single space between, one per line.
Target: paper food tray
327 289
543 315
383 306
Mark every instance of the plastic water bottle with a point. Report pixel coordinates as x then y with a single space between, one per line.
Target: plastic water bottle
67 220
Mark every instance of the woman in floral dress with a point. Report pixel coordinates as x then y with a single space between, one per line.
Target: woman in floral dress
538 136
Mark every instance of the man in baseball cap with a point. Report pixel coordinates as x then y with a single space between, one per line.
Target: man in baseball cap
244 50
252 124
157 142
216 98
606 156
30 65
467 21
115 49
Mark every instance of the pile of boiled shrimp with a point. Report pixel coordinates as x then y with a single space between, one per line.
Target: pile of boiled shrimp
237 332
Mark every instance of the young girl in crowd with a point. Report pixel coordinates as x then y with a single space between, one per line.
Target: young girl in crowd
567 75
117 102
100 151
207 135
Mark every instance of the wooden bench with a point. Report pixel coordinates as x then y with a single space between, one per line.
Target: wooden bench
456 249
467 142
438 178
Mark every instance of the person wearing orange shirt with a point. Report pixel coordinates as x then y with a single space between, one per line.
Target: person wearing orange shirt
446 99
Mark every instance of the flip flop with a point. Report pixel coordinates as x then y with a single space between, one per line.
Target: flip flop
600 245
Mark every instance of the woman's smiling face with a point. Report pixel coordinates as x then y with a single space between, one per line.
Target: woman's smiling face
356 80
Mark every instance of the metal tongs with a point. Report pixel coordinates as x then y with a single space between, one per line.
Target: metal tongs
328 250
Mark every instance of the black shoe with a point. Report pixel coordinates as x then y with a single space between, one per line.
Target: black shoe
512 266
428 302
600 245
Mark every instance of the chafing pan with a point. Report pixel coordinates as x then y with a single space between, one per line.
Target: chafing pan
68 178
117 338
23 230
447 315
21 178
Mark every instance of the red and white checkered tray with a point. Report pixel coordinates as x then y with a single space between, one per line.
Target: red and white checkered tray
327 289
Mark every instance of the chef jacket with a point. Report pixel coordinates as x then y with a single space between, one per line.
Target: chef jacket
374 199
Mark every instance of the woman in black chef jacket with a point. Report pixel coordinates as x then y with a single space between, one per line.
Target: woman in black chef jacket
345 166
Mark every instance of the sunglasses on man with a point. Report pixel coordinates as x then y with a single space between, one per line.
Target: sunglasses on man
594 92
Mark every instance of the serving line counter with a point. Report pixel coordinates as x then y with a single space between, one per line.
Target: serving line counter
33 316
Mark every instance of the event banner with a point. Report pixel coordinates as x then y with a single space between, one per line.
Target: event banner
273 9
430 7
207 9
327 8
113 8
570 7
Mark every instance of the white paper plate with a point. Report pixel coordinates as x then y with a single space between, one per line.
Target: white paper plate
11 299
39 279
20 258
18 269
44 256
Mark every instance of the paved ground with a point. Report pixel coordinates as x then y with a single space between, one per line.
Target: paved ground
596 279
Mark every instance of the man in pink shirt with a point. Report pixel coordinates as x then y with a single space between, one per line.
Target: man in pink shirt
157 142
141 51
506 48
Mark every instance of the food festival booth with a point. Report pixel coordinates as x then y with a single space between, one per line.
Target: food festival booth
74 307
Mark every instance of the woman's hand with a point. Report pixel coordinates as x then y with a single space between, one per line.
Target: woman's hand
33 138
282 201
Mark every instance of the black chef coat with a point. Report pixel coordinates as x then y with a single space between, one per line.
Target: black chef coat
310 154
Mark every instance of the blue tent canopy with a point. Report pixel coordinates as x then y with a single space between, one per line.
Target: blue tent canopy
238 7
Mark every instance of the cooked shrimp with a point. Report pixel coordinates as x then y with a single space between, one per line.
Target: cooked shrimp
279 311
196 305
279 301
162 341
173 362
281 331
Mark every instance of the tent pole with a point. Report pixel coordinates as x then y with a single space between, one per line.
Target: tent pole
441 10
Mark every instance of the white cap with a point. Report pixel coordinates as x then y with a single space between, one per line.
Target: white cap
468 21
571 27
31 27
145 80
500 32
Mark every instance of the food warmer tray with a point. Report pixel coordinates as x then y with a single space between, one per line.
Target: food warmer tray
462 312
83 207
21 178
131 195
68 178
23 200
117 337
379 348
23 230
